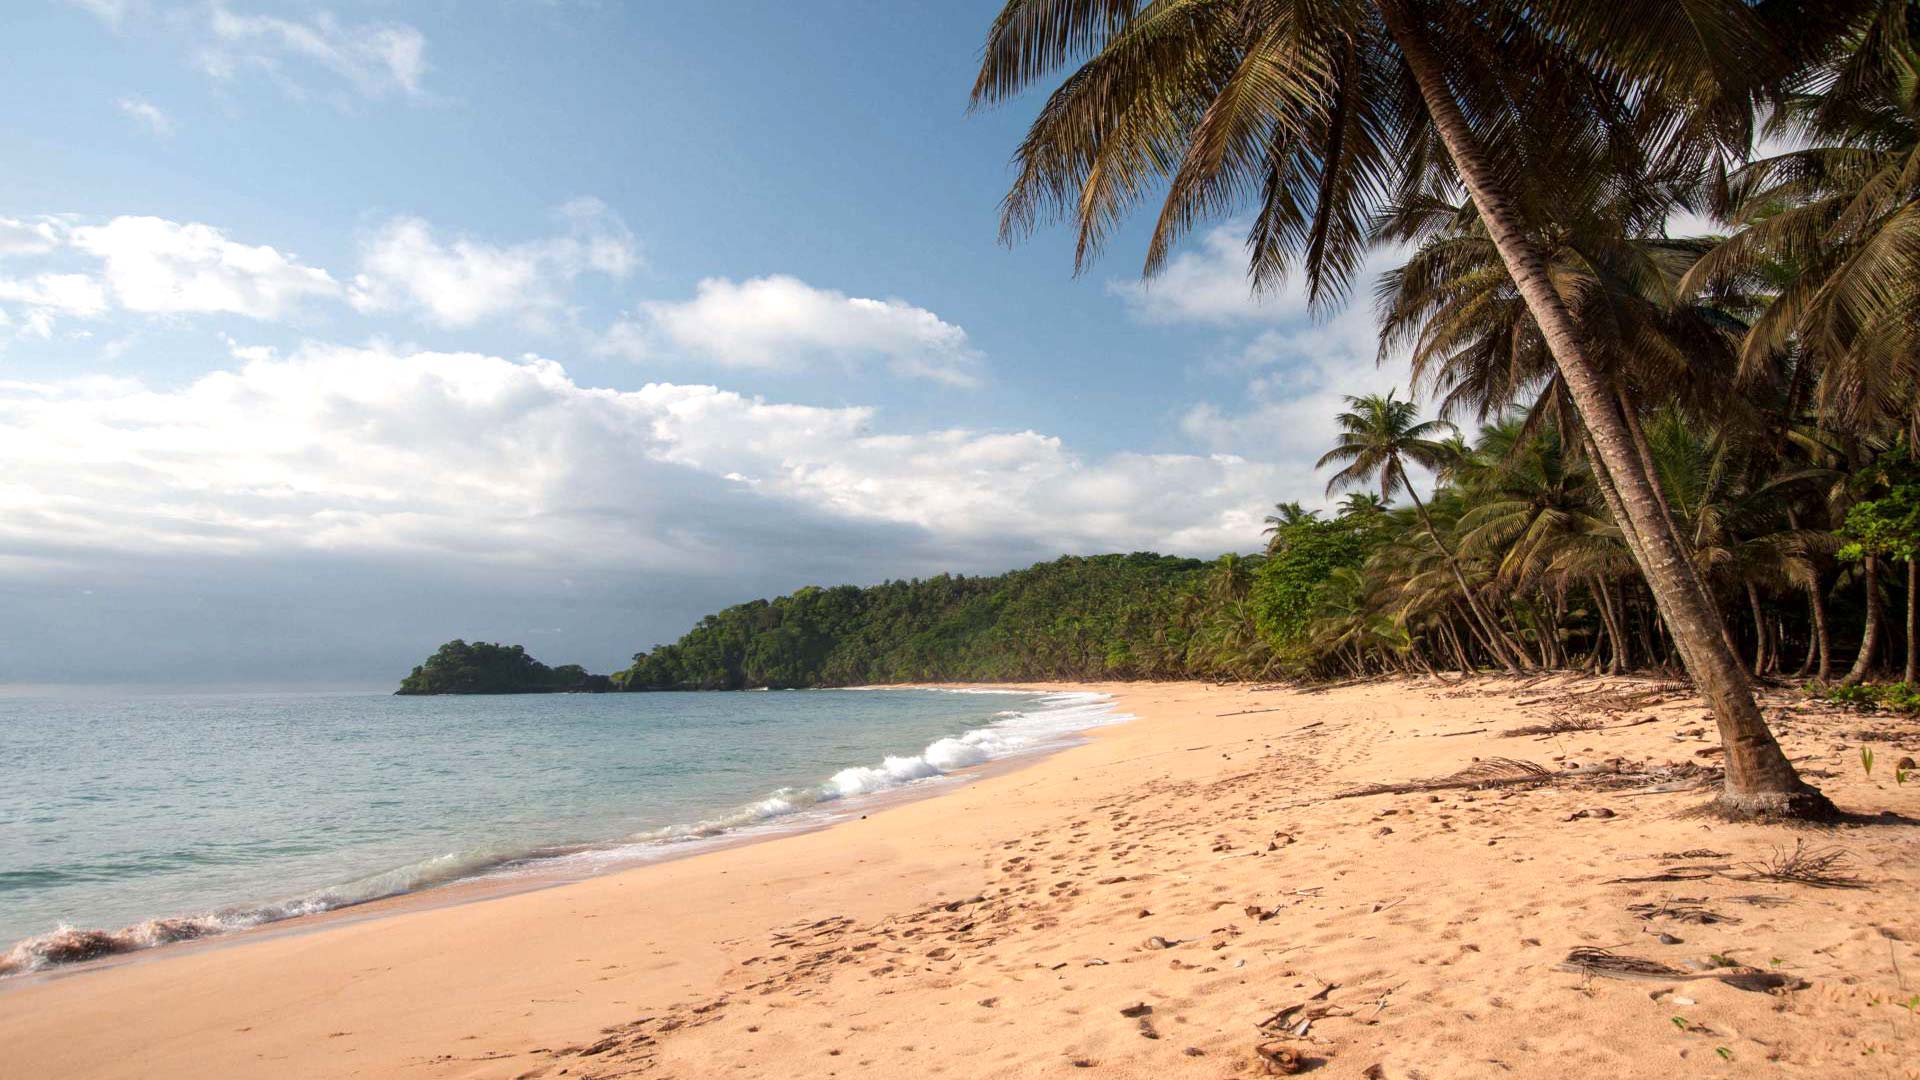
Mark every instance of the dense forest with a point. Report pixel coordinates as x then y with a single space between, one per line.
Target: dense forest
485 668
1120 616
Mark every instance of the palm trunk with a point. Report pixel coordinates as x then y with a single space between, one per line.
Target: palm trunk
1759 630
1760 779
1453 642
1817 601
1912 672
1870 637
1494 634
1617 640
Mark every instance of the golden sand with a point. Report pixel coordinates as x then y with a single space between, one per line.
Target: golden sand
1164 901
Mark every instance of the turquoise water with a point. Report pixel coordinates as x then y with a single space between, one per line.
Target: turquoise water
210 812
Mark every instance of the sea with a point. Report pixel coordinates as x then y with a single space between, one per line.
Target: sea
129 820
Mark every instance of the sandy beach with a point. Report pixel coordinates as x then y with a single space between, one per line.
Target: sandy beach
1197 893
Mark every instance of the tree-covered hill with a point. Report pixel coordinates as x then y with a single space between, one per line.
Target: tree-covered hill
486 668
1104 616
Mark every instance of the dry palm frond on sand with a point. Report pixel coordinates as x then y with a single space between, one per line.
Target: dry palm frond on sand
1821 868
1611 965
1493 772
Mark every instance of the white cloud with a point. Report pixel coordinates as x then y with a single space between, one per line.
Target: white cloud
27 237
463 281
149 114
376 451
781 321
159 266
111 12
67 294
1209 285
1298 370
375 59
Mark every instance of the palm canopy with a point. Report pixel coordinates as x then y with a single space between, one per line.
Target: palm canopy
1832 228
1379 434
1307 111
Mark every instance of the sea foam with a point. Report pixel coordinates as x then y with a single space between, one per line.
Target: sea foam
1054 719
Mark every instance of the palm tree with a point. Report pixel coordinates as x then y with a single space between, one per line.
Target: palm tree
1285 516
1362 504
1378 436
1324 113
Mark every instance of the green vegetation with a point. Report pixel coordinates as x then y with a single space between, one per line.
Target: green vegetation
1100 617
486 668
1896 697
1685 415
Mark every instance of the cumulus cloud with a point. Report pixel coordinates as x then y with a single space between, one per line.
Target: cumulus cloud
463 281
1297 369
782 322
48 296
374 451
375 59
151 116
1209 284
159 266
27 237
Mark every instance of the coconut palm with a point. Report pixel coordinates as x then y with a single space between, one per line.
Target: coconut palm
1835 225
1362 504
1379 436
1285 516
1320 114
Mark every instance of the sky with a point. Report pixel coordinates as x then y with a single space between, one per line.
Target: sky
332 332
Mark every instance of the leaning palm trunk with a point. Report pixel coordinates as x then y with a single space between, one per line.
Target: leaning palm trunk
1503 651
1870 637
1760 780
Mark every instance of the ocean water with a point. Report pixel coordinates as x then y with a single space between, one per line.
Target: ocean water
158 817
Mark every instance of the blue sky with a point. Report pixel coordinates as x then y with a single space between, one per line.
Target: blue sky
331 332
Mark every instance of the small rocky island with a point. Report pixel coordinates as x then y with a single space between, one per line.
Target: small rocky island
487 668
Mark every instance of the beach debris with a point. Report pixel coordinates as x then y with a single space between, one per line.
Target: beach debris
1158 942
1111 880
1095 962
1374 1072
1260 914
1492 772
1296 1019
1694 872
1611 965
1083 1063
1669 939
1820 868
1282 1058
1594 812
1194 1051
1383 831
1134 1012
1686 909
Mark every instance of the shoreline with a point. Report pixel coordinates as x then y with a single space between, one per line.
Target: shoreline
1136 905
547 868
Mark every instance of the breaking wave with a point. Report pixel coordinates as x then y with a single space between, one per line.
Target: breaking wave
1055 720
